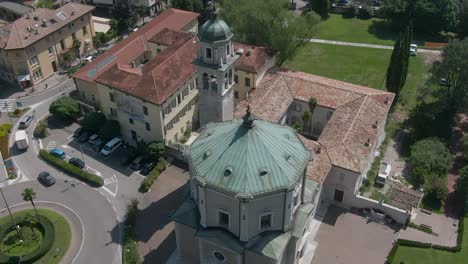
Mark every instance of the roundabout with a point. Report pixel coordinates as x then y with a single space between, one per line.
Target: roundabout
41 238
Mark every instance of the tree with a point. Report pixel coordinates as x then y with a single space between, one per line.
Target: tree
110 129
463 26
156 149
65 108
306 117
189 5
312 104
45 4
398 68
94 121
461 186
435 187
454 68
320 7
29 195
269 23
123 13
68 57
429 157
430 16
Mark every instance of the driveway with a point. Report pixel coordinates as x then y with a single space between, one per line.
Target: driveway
154 228
347 238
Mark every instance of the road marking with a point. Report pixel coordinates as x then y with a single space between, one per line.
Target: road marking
98 173
71 210
51 145
110 180
40 143
109 191
7 105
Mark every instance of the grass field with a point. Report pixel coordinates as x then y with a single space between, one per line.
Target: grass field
372 31
62 234
413 255
364 66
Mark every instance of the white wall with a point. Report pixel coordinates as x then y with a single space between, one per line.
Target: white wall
397 214
341 179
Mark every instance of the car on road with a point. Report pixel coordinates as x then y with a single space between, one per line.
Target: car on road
58 153
84 137
138 162
46 179
148 167
413 49
78 132
25 121
111 146
77 162
384 172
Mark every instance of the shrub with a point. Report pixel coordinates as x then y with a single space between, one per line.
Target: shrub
94 121
409 243
131 255
40 131
151 178
65 108
4 146
91 179
110 129
420 228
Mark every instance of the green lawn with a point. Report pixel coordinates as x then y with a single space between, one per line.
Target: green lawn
11 245
364 66
62 234
373 31
411 255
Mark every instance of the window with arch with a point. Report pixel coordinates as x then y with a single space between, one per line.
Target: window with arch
226 81
230 76
219 257
214 83
208 53
206 81
227 49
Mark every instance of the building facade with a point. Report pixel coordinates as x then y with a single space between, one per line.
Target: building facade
250 200
32 46
153 6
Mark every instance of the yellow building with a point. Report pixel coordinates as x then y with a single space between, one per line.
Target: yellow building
31 47
147 81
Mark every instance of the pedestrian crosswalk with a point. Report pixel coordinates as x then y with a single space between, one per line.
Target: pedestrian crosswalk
51 145
7 105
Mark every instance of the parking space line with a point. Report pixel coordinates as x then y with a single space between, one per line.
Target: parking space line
108 191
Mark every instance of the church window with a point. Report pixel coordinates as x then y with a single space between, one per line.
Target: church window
219 257
208 53
230 76
265 221
236 78
223 218
214 83
145 110
247 82
206 81
227 50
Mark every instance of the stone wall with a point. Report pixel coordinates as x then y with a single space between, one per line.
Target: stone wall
399 215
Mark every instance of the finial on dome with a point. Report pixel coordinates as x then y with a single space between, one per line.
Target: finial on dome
214 12
248 119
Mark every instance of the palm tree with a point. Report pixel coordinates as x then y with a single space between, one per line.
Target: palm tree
31 221
67 57
306 116
29 195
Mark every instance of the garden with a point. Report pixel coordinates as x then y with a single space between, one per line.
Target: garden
43 237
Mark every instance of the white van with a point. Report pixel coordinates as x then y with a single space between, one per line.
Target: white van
111 146
21 139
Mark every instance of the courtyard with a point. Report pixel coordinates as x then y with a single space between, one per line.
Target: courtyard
342 234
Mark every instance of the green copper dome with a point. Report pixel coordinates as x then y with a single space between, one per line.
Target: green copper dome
248 157
214 30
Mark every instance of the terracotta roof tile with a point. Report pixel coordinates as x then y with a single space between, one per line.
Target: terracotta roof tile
17 36
320 166
254 58
167 37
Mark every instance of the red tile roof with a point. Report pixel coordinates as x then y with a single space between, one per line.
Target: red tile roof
163 74
167 37
254 58
345 136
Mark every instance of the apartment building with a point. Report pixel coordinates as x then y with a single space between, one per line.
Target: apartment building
147 81
10 11
31 47
152 5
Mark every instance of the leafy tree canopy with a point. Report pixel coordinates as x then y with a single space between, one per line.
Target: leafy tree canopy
461 185
435 188
430 16
156 149
429 157
110 129
45 4
66 108
94 121
269 23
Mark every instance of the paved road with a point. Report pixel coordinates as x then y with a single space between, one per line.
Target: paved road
365 45
96 218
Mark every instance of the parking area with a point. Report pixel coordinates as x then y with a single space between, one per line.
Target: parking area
118 179
343 233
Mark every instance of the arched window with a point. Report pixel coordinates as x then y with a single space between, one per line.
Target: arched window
214 83
219 257
230 76
226 81
206 81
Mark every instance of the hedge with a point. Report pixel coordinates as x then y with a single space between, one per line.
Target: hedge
131 255
420 228
47 229
4 135
154 174
89 178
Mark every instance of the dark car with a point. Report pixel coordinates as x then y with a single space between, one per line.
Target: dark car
46 179
138 162
78 132
97 144
84 137
77 162
148 167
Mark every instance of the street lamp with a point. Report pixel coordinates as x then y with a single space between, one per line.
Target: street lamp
34 115
11 216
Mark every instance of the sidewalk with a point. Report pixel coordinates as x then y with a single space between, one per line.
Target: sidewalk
51 82
365 45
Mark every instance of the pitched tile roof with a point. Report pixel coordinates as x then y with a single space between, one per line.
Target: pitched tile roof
22 32
254 58
319 167
162 75
345 137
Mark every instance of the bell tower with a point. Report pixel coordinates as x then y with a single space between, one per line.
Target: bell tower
215 69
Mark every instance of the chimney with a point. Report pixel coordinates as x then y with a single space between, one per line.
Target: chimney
367 142
36 18
318 149
72 13
36 32
387 100
133 65
44 23
248 53
376 124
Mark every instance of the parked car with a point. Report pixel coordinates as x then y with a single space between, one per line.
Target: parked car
93 138
111 146
84 137
413 49
25 121
148 167
98 144
58 153
138 162
384 172
78 132
90 58
46 179
77 162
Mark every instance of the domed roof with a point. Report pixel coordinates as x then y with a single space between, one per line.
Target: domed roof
249 157
214 30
